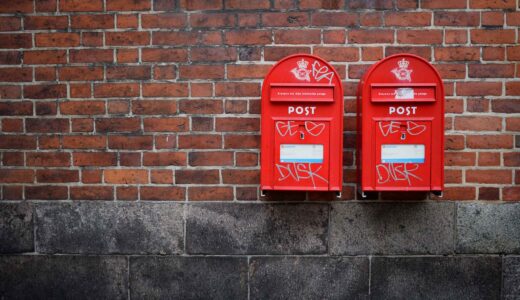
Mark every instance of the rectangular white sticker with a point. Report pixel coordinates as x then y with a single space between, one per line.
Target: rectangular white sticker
301 153
404 93
410 153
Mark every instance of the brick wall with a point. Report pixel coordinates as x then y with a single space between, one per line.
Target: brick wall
148 100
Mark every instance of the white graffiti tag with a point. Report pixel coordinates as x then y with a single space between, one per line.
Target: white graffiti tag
314 129
396 172
393 127
300 171
320 72
286 128
290 128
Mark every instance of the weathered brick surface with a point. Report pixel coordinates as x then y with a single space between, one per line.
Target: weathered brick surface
16 228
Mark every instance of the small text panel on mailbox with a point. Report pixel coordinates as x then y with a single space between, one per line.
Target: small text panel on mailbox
401 126
302 126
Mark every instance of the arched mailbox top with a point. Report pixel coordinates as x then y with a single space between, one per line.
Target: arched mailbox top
302 78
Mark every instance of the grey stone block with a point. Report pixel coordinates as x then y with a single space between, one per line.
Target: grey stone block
309 278
63 277
511 278
16 228
188 278
488 228
436 278
392 228
108 227
240 228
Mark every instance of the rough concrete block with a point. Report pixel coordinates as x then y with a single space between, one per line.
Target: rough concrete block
309 278
488 228
107 227
436 277
511 278
16 228
240 228
188 278
63 277
391 228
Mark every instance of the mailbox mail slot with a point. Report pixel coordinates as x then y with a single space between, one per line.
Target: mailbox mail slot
302 123
400 126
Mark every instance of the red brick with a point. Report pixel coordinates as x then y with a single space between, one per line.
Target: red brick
419 36
497 4
57 176
45 91
15 40
201 72
205 193
13 159
489 141
45 22
19 6
285 19
180 38
237 89
325 4
82 125
334 19
165 141
337 53
451 71
92 192
470 88
214 158
277 53
241 176
164 55
455 36
491 70
11 57
57 39
247 193
408 19
92 56
81 73
492 18
236 106
127 193
511 193
479 123
127 21
459 193
126 5
513 18
165 89
212 20
201 89
246 159
213 54
371 36
459 18
166 124
489 176
493 36
127 55
45 74
338 36
197 177
129 72
154 107
248 37
513 52
200 106
16 176
128 38
12 125
165 72
433 4
126 176
513 88
164 159
84 142
130 159
49 142
127 142
251 4
164 20
513 124
489 159
459 158
16 108
47 125
200 141
161 176
118 124
202 123
512 159
107 90
94 159
46 192
80 5
308 36
99 21
201 4
488 193
237 124
239 141
162 193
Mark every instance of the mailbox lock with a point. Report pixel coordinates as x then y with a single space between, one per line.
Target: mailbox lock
302 135
403 136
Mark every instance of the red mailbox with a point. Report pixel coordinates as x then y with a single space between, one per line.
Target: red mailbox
302 126
400 140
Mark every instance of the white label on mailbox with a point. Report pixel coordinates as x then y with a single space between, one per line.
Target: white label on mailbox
298 153
410 153
404 93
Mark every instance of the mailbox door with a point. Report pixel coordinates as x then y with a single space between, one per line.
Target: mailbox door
301 154
402 154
